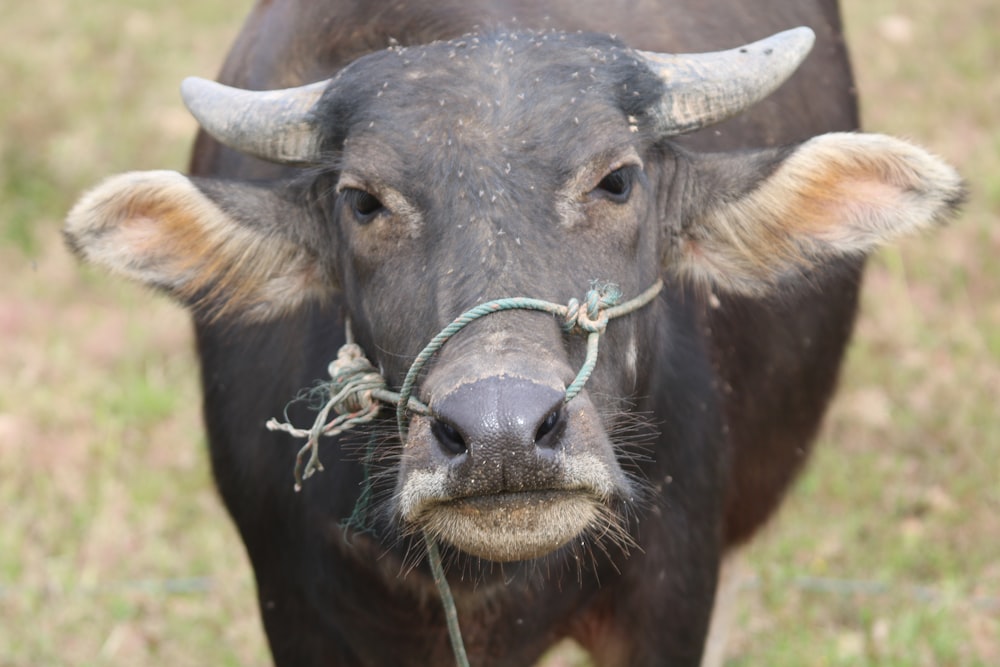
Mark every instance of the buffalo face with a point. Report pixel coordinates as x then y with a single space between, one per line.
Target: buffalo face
485 195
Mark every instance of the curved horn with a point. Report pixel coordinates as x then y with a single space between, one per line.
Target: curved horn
706 88
274 125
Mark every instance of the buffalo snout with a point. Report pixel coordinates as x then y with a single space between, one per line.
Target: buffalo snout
505 469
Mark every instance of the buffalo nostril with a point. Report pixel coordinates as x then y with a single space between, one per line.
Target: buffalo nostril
449 438
548 431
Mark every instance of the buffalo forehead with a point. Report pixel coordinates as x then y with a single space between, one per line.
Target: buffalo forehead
506 98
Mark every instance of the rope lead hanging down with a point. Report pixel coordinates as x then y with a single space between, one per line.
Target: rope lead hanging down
357 390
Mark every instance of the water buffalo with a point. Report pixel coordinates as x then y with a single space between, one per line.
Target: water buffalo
418 161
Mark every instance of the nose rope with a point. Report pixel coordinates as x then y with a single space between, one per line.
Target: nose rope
357 390
602 304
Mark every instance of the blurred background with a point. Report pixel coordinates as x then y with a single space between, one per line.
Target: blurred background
114 549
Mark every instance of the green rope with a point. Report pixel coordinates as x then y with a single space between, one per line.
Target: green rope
602 305
447 601
357 391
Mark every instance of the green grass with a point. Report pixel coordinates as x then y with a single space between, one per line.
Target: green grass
105 479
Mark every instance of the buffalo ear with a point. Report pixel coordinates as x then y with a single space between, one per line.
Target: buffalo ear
749 220
164 230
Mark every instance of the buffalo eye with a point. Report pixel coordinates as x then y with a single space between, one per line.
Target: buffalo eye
364 205
615 186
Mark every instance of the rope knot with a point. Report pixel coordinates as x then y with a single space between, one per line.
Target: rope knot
594 317
352 390
352 380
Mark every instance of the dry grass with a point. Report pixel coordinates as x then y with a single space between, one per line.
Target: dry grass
114 549
905 489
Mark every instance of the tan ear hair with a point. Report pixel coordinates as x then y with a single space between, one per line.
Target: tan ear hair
836 194
159 229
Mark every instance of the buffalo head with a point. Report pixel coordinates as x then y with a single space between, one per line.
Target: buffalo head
433 178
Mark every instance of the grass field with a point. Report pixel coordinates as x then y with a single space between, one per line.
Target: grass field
114 549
